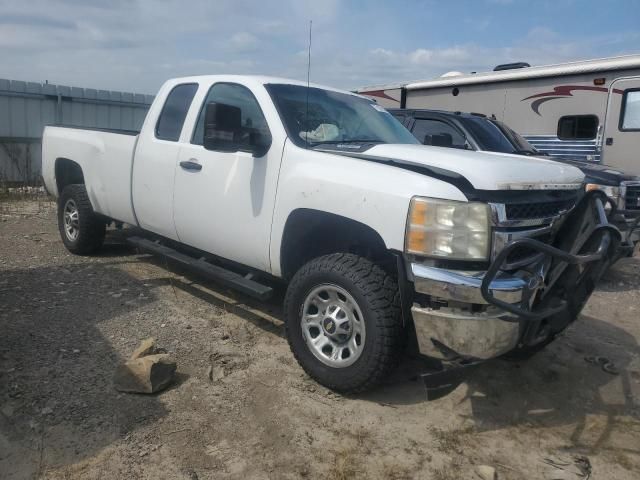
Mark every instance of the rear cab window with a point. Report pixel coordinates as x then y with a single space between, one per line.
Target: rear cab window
174 111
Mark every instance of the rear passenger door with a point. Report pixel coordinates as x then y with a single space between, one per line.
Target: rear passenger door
439 133
155 161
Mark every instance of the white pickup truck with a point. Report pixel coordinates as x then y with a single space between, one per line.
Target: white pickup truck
474 255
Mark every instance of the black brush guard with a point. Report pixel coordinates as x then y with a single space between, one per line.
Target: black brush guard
566 274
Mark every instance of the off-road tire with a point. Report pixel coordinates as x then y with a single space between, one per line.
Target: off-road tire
91 226
376 294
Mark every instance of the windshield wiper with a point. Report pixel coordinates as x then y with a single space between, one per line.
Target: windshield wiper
530 152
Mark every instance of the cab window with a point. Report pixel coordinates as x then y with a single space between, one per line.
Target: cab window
235 95
174 111
438 133
401 117
630 114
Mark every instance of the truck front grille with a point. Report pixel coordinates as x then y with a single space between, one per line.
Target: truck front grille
523 255
527 211
632 197
527 215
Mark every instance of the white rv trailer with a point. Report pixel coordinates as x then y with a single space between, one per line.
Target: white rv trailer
587 109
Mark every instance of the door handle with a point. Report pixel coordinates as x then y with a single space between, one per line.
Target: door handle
191 165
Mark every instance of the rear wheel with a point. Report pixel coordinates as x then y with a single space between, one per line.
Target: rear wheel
343 322
81 229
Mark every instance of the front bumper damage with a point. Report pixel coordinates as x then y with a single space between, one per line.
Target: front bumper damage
473 316
625 214
629 225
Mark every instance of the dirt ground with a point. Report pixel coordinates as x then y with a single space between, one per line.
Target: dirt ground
66 322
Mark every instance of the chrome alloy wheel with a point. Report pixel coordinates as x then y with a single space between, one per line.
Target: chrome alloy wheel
71 220
333 326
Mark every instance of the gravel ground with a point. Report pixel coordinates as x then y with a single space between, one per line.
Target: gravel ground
66 322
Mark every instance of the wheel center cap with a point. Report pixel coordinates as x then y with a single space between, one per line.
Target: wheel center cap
329 326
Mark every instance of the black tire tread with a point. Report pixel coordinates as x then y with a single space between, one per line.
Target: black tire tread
92 226
381 292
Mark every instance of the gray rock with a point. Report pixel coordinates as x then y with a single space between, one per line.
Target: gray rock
148 374
5 444
7 410
215 373
485 472
146 347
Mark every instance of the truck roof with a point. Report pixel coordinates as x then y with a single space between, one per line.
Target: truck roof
258 79
571 68
410 111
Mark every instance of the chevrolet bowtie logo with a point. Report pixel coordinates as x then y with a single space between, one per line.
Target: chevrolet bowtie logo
329 326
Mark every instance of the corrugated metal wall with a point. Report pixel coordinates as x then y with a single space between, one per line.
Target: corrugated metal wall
26 107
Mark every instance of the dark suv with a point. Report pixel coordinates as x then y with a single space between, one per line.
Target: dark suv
475 131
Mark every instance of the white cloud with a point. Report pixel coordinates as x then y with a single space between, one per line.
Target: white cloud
420 56
137 44
243 42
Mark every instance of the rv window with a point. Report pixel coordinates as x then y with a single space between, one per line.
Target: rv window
578 127
440 134
630 114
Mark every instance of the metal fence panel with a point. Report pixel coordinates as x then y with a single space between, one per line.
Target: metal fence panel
26 107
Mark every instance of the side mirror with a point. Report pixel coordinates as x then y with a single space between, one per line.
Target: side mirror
222 127
223 131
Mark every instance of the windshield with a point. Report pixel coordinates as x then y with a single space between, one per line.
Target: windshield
487 135
521 143
313 116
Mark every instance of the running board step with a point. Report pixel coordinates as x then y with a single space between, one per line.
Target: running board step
213 272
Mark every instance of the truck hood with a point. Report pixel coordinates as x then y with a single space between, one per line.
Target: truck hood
484 170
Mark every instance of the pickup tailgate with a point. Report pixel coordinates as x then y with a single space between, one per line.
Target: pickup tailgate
105 157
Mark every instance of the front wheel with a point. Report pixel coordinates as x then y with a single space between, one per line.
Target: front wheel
81 229
343 322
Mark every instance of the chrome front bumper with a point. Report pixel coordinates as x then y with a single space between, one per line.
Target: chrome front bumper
447 334
479 335
465 287
482 315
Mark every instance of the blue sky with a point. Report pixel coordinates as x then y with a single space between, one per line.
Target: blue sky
135 45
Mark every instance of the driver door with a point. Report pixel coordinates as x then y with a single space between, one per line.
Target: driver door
223 201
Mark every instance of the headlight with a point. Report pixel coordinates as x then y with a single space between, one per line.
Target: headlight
611 191
441 228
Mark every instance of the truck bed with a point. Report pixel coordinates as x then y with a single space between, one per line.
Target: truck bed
122 131
106 158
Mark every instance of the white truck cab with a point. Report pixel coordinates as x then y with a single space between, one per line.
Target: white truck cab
376 236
